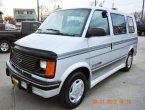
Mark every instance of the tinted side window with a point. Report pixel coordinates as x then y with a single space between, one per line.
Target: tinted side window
119 24
98 21
26 28
34 26
130 25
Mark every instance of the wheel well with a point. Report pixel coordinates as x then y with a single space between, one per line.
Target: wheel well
132 51
6 40
86 72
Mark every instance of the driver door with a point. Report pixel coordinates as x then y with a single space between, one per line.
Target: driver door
100 46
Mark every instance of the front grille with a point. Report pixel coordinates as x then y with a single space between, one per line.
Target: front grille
24 61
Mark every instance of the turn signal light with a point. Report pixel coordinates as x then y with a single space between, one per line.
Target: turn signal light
50 69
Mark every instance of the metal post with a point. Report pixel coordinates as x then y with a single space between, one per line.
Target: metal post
38 10
142 14
95 2
113 5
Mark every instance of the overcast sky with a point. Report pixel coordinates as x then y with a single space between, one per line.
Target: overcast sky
128 6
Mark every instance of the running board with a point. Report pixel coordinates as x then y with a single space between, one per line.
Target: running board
99 79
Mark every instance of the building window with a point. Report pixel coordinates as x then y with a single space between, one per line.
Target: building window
16 12
20 12
25 12
29 12
119 24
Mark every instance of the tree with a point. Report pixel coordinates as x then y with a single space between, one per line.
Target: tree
43 11
10 20
1 14
55 5
101 3
138 16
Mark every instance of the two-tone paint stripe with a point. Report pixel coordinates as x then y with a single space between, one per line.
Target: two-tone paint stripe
124 41
110 51
94 48
108 63
83 51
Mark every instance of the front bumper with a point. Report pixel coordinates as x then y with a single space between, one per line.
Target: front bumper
32 85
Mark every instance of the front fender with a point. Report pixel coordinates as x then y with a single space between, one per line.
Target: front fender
73 68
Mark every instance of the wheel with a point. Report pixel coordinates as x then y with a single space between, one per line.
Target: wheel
4 46
139 33
129 61
142 33
73 90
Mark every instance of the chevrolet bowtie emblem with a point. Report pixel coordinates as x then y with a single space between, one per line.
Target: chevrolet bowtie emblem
19 60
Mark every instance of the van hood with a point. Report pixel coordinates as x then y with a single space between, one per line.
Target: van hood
55 43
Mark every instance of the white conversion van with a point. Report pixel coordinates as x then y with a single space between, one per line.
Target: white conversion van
72 51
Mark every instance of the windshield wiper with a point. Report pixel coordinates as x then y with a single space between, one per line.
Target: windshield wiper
58 32
67 34
40 31
53 30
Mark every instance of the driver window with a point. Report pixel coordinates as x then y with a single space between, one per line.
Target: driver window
99 21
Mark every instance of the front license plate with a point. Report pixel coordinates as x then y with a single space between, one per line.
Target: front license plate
15 81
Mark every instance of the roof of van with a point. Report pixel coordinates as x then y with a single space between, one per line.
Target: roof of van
87 7
100 8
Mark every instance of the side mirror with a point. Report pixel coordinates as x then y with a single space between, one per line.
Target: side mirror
104 14
96 32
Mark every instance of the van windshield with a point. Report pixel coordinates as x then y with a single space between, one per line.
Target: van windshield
69 22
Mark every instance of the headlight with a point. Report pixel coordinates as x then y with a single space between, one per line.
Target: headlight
49 68
43 64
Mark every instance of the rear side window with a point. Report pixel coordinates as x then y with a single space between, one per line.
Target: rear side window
130 25
119 24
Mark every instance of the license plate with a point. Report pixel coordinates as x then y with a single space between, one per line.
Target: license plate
15 81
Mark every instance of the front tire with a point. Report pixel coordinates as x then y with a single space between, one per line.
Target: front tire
129 61
73 90
5 46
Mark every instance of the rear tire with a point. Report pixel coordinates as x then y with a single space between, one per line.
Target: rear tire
129 61
142 33
5 46
73 90
139 33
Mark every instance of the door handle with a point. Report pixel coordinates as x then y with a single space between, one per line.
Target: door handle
111 46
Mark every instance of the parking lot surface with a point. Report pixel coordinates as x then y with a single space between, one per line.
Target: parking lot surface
121 91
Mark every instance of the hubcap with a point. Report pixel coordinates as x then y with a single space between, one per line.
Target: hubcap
76 91
4 47
129 62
